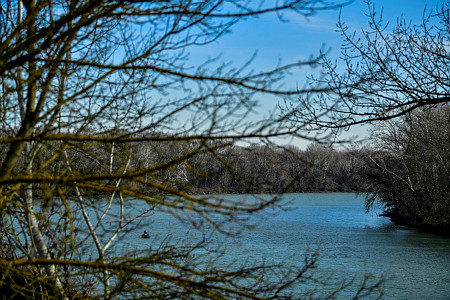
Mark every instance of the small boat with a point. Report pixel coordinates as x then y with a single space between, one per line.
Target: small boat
145 235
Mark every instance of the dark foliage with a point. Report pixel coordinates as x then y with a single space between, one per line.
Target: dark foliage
410 169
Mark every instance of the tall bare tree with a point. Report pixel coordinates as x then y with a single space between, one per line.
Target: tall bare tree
86 86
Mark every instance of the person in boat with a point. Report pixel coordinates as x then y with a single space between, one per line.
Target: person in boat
145 235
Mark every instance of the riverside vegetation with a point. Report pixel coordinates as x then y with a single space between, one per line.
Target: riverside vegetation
403 170
100 103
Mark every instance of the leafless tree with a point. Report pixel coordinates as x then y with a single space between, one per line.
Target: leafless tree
409 168
94 80
381 74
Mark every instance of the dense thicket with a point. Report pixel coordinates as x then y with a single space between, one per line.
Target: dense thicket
409 169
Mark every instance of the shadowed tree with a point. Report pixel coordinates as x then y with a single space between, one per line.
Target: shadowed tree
87 88
409 169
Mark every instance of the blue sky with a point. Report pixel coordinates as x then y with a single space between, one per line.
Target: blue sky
301 37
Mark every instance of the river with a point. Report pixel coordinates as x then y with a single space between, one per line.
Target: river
416 264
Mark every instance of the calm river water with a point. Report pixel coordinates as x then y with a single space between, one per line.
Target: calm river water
351 242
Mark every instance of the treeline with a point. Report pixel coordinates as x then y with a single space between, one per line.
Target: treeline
222 168
265 169
406 168
210 168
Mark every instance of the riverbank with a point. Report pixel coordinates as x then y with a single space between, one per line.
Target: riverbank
441 229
